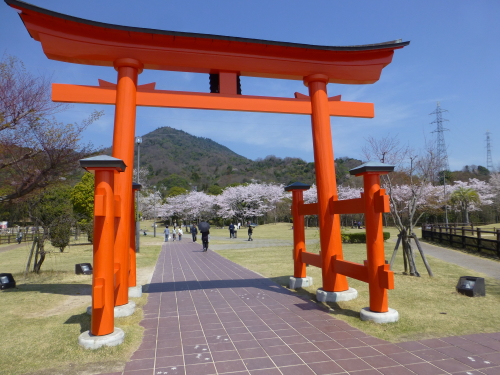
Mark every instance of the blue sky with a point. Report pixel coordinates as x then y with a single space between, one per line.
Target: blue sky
453 58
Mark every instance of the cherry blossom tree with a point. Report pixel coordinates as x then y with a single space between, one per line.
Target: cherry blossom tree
468 196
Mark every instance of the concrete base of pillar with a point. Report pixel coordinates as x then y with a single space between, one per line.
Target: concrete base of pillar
120 311
89 341
345 295
300 282
135 291
390 316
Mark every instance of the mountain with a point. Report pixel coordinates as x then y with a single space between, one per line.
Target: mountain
176 158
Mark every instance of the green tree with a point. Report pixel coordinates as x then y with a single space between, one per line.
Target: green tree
51 210
176 190
82 198
214 190
464 197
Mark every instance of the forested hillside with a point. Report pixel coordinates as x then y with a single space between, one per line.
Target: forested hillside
176 158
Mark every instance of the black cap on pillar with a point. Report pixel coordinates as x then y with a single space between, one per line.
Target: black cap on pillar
103 161
297 186
372 166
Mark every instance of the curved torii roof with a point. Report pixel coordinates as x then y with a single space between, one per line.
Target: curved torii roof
80 41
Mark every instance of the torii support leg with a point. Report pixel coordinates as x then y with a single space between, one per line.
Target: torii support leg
299 278
329 224
134 290
123 148
103 319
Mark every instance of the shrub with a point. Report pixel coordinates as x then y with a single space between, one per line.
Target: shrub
360 237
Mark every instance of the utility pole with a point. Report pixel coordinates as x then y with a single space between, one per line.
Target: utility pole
442 155
489 160
138 141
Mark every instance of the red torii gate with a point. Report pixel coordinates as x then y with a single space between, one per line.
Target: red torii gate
130 50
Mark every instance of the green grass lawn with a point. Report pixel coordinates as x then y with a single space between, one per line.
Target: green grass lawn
43 317
428 307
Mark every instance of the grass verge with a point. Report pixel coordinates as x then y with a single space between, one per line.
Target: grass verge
43 317
428 307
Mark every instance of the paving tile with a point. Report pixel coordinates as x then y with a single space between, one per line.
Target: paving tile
269 371
326 368
168 352
425 369
201 369
230 366
339 354
176 360
139 372
140 364
302 348
252 353
380 361
434 343
296 370
398 370
430 355
353 364
405 358
451 365
364 351
258 363
311 357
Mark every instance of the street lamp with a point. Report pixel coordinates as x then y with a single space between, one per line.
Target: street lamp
138 141
154 202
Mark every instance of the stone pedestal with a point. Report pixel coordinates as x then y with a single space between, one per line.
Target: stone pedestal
390 316
135 291
300 282
346 295
89 341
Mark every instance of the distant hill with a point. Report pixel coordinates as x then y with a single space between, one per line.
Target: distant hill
176 158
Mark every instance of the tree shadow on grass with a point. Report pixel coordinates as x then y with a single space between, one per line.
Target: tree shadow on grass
63 289
82 319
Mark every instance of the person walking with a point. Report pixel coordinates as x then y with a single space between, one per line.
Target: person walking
174 232
180 233
204 240
250 232
231 230
166 232
194 232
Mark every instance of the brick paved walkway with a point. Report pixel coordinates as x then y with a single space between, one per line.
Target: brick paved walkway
206 315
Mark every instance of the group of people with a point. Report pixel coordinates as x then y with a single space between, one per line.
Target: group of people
176 233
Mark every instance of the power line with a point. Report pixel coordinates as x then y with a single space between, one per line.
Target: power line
442 155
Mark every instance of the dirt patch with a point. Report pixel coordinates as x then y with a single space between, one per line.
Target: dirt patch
144 275
83 369
66 303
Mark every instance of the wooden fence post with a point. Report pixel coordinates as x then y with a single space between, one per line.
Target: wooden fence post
478 239
498 242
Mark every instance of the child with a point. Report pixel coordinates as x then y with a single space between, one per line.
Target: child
180 233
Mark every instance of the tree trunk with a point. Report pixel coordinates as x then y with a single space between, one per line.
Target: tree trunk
407 249
40 250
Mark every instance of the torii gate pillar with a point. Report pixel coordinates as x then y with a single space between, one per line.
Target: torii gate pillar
329 224
123 148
